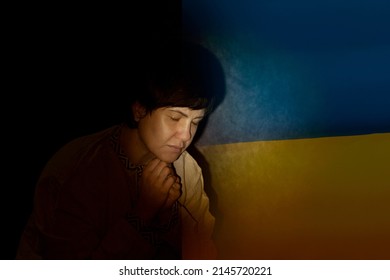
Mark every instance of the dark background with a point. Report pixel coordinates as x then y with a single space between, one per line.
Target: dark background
68 66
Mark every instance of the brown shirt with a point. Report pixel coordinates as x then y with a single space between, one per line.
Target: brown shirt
83 208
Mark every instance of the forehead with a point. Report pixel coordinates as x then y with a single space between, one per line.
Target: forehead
185 111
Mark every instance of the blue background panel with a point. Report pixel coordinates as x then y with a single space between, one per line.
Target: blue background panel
298 69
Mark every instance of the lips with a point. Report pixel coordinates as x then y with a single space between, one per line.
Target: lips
177 149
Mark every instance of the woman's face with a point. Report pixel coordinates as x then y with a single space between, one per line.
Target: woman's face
167 132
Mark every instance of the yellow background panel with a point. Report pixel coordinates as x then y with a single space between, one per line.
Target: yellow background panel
320 198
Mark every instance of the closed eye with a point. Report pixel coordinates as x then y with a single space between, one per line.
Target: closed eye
176 116
176 119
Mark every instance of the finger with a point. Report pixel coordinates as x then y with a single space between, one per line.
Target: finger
165 172
173 195
151 165
159 167
176 186
179 188
168 182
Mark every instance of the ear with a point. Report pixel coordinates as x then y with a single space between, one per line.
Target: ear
139 111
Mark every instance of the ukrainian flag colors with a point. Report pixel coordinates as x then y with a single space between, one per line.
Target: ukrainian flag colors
321 198
298 152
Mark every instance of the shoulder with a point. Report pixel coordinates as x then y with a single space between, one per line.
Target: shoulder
78 152
187 164
191 178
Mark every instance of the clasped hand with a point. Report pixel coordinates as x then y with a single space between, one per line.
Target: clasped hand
160 187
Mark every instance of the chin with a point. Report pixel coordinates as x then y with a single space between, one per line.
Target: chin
169 158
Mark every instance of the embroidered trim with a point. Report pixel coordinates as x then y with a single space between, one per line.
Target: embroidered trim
150 233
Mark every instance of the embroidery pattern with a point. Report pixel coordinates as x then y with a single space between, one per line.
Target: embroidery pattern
152 233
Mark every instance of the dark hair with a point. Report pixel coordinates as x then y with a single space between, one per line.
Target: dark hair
179 74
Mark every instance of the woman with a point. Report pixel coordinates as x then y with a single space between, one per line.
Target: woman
132 191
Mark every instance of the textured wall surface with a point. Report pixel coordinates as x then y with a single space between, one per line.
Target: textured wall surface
320 198
296 69
296 156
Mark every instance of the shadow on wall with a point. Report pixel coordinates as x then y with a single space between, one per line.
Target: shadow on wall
217 82
208 186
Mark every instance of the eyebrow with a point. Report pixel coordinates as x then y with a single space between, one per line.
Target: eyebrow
184 114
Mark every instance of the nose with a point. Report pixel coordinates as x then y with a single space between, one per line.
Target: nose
185 132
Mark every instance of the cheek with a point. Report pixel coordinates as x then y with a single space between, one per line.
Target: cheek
160 131
149 131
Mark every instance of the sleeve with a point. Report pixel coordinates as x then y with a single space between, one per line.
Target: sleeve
72 223
197 221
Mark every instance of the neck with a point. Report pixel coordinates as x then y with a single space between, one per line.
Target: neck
133 147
